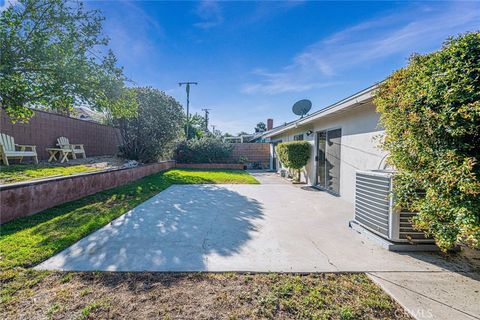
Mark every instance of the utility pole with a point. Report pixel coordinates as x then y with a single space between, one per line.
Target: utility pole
213 128
187 87
206 118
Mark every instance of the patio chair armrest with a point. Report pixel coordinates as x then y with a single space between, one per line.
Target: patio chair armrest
25 145
32 147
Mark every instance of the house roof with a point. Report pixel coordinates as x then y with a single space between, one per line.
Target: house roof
350 102
85 113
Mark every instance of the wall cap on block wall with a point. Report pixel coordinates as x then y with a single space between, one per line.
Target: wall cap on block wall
23 199
59 178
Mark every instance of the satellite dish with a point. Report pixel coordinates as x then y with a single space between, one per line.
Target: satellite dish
301 107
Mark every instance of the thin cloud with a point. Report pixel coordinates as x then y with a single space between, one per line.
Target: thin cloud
366 43
280 82
210 13
134 33
269 9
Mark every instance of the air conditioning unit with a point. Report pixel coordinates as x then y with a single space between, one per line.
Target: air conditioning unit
374 209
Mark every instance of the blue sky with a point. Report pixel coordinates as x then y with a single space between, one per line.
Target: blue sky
253 60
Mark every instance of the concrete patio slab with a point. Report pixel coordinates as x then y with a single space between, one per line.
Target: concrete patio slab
233 228
262 228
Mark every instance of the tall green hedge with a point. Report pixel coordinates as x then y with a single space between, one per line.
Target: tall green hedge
431 114
207 149
294 154
149 136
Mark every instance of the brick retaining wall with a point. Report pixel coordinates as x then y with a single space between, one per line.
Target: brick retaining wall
44 129
23 199
226 166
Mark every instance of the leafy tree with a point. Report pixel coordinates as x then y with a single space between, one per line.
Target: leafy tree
150 135
208 149
431 114
51 57
196 128
261 127
243 133
293 154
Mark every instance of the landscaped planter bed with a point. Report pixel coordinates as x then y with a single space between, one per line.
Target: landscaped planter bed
23 199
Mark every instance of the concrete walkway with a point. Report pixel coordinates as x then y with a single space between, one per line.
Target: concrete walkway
270 227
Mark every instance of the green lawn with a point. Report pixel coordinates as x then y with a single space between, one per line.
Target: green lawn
25 172
193 176
28 241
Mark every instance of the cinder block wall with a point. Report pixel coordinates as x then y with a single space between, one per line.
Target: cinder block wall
254 152
44 129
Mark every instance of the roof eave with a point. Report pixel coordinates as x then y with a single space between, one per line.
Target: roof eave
356 99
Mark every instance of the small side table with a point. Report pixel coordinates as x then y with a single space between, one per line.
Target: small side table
63 154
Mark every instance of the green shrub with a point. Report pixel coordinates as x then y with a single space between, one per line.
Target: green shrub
431 114
294 154
208 149
150 135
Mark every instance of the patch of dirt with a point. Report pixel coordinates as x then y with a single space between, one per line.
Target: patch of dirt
103 162
104 295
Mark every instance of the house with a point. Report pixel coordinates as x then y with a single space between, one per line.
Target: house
257 137
344 138
244 138
87 114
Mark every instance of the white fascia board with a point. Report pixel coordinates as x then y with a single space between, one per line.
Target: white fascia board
357 99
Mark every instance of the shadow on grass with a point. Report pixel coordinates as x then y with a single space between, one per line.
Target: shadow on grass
27 241
90 204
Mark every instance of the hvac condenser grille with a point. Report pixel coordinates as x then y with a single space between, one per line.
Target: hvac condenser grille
373 209
406 229
372 203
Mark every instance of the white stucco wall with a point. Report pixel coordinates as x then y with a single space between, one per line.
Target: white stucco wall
359 143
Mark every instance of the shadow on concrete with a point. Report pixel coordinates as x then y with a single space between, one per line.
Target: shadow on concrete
466 261
310 188
172 231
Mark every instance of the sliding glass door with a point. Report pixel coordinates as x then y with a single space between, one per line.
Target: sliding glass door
328 160
321 150
334 139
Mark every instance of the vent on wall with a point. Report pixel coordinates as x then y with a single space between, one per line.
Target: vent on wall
374 208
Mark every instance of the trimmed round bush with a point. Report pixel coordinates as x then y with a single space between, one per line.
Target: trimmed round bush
294 154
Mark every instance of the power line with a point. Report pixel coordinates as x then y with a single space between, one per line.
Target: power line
187 88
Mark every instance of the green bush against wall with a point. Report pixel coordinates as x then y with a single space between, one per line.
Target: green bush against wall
207 149
431 114
149 136
293 154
